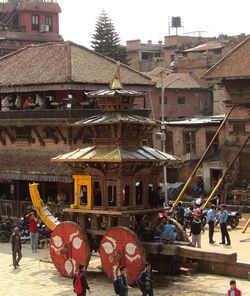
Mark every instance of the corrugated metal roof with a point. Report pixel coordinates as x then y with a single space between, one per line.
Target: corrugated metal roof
177 81
110 118
206 46
198 121
114 93
115 154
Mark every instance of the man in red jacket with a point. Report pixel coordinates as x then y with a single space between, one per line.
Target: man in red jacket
33 228
233 291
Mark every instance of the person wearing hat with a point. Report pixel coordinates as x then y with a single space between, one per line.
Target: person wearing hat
16 245
210 220
223 226
195 231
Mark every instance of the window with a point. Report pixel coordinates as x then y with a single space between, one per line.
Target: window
22 133
112 195
83 195
215 146
97 194
181 100
189 142
239 128
125 196
138 193
169 142
35 23
48 22
165 100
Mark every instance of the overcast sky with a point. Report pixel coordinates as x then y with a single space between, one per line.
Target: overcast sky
148 19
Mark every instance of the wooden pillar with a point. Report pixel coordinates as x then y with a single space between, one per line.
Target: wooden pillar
19 211
43 191
71 193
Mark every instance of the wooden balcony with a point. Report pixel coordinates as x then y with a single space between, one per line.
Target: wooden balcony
15 117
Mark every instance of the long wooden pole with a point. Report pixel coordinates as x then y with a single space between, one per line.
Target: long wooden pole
245 228
226 171
201 159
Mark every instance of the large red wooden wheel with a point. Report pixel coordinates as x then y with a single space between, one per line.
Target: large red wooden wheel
69 247
120 246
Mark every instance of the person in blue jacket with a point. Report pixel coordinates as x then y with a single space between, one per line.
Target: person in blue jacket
223 226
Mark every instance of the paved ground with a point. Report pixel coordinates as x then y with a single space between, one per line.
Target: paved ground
39 278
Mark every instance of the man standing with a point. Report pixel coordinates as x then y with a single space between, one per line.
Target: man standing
80 282
33 229
210 220
15 241
223 226
180 212
146 281
196 226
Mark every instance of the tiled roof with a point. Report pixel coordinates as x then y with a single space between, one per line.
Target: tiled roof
61 63
30 162
39 6
177 81
234 65
41 37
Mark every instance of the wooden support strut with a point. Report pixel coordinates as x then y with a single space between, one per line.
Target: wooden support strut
12 139
41 141
2 140
201 159
61 135
225 173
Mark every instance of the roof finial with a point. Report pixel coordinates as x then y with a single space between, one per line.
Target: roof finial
116 81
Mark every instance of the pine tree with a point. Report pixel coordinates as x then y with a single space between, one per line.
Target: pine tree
106 40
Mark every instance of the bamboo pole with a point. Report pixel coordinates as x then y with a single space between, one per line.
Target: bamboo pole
246 226
225 173
201 159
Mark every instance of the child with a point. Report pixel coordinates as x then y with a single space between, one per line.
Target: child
233 291
145 281
196 226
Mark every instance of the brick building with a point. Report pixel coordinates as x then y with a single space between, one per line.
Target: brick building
58 75
233 71
188 139
184 96
25 22
145 57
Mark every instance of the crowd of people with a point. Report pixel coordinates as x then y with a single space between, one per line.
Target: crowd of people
145 282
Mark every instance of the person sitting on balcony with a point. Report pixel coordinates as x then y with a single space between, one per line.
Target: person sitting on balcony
26 104
40 102
5 104
18 102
